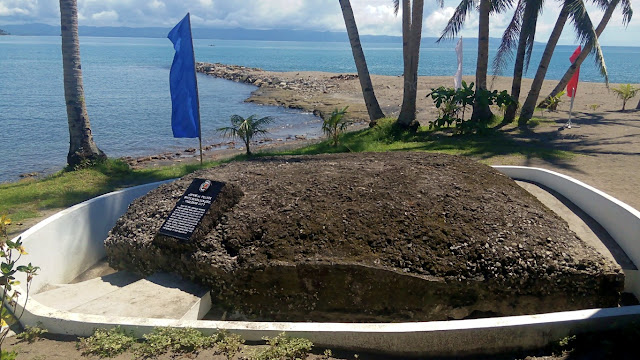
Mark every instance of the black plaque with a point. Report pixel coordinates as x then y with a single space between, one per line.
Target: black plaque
190 209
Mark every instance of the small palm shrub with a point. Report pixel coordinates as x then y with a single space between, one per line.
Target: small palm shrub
335 124
626 92
246 129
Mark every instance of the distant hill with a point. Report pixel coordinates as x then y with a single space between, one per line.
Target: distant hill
225 34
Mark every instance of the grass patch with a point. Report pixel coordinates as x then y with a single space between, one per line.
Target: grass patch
536 121
106 343
24 199
176 340
387 137
285 348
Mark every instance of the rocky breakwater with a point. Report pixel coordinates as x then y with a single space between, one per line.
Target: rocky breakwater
369 237
314 92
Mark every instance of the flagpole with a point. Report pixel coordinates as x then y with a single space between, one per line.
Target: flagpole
568 125
195 76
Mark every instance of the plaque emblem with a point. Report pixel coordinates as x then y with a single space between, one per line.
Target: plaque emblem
205 186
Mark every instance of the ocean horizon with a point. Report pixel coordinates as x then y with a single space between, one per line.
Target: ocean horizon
127 89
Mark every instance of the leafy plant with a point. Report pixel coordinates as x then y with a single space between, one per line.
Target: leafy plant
228 344
335 125
106 342
551 103
178 340
10 253
594 107
283 347
625 92
246 129
32 333
450 102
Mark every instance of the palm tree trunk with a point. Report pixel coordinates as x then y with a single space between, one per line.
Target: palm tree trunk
530 103
407 117
370 100
638 106
585 51
528 19
482 111
82 148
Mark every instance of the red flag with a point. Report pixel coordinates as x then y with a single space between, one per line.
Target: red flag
572 85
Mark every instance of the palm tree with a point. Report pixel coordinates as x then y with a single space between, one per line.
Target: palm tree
82 149
481 110
625 93
627 13
370 100
246 129
412 13
574 9
335 125
522 26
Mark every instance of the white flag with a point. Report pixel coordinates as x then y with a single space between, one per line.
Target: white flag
457 80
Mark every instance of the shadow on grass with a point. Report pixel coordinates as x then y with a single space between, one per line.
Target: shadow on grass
388 137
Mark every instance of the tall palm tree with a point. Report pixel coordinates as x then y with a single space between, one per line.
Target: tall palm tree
576 11
627 13
412 13
522 27
82 148
485 8
370 100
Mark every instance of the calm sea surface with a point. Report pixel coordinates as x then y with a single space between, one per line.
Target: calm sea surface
127 90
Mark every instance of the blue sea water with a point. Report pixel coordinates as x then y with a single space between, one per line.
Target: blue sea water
127 90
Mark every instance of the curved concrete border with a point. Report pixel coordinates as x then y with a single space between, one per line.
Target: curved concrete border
620 220
63 254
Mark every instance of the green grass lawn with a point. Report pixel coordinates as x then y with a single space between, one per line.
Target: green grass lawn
25 199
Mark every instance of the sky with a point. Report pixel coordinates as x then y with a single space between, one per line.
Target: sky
374 17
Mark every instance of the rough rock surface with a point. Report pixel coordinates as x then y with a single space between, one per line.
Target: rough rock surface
371 237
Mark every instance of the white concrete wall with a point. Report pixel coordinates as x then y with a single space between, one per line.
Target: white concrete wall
71 241
620 220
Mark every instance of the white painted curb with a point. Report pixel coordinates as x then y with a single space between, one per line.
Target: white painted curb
64 254
620 220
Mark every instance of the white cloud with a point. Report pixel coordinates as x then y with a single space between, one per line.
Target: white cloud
372 16
105 17
17 7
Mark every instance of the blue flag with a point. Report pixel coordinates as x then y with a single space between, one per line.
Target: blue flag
185 119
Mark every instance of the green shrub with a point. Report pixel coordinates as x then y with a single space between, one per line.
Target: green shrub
451 104
335 125
10 253
283 347
32 333
177 340
228 344
106 342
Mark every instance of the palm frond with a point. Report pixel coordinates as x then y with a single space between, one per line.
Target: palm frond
499 6
457 19
509 40
627 12
396 7
585 33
